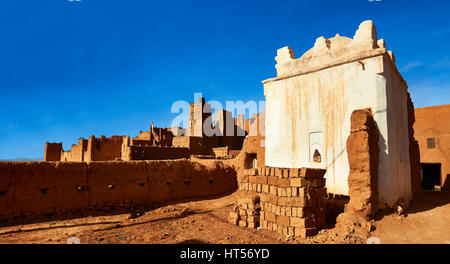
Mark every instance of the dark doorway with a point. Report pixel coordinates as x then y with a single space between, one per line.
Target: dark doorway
431 175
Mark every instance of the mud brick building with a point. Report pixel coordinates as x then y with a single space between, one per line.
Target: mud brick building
432 130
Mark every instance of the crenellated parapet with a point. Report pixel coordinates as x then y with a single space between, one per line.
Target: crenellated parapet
330 52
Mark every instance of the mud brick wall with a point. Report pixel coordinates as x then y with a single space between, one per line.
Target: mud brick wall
158 153
221 152
53 151
36 188
107 148
291 201
363 152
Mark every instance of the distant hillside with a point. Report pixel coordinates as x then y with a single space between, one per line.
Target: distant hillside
22 159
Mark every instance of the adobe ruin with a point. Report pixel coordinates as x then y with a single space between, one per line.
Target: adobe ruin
432 130
165 143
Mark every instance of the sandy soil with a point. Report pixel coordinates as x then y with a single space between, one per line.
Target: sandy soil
427 221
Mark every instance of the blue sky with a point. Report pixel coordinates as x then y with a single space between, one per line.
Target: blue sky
106 67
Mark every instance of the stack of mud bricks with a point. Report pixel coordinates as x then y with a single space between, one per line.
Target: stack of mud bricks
292 200
246 213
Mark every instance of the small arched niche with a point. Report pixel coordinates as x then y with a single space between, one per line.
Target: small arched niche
317 157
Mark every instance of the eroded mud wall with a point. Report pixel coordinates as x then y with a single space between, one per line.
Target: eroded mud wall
35 188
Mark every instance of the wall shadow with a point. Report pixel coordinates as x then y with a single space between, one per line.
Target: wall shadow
27 220
428 200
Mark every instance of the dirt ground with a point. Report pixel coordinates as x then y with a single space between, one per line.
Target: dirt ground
427 221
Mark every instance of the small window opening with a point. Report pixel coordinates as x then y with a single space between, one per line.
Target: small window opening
431 143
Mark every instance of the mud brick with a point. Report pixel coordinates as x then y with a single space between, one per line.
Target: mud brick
277 210
283 183
297 182
306 192
290 201
261 179
311 173
294 211
254 186
271 217
234 215
274 226
233 221
291 231
297 201
282 210
293 172
272 180
243 218
280 230
264 197
264 224
252 179
285 173
243 223
273 190
265 188
278 172
264 207
261 171
281 192
244 178
288 211
262 215
320 173
282 200
303 222
273 200
294 191
304 212
321 193
244 206
253 218
242 212
274 209
252 224
304 232
319 183
258 188
284 231
288 191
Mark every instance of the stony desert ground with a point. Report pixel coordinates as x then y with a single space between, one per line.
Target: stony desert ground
205 221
